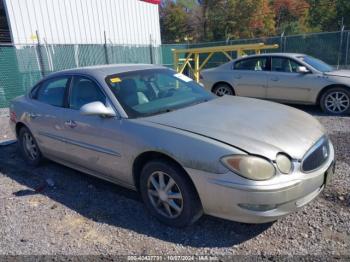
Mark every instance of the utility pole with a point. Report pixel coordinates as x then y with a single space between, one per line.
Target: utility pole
347 49
105 47
40 55
151 49
341 41
281 42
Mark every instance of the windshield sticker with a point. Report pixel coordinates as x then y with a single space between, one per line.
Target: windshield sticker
115 80
183 77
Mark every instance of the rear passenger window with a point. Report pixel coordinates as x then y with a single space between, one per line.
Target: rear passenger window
52 92
252 64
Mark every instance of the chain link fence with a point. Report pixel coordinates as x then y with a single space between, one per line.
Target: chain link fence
23 65
331 47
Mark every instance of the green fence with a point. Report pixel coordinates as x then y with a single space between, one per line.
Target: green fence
332 47
23 65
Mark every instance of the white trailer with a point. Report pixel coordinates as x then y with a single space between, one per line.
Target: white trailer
129 22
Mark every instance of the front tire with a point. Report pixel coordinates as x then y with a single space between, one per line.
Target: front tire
168 194
28 147
336 101
223 89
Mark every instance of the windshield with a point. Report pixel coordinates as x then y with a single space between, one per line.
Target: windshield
154 91
317 64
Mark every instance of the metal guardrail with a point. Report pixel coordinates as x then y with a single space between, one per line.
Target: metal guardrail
193 54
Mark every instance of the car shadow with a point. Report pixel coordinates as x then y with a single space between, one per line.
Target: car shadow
311 109
107 203
314 110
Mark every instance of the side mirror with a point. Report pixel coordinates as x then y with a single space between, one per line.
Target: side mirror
96 109
303 70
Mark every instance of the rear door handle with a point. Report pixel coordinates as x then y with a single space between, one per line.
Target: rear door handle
70 123
275 79
238 77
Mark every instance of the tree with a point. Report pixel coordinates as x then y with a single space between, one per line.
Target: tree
343 11
291 15
215 20
245 19
188 4
263 20
327 15
174 22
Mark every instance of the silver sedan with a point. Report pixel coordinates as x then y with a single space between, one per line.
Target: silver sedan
287 78
185 150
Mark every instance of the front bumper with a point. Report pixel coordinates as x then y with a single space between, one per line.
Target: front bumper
227 195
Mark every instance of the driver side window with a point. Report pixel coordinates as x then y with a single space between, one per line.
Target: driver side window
84 91
285 65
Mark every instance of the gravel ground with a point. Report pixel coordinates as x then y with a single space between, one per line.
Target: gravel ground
56 210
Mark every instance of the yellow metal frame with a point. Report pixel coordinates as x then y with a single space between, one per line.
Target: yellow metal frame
192 54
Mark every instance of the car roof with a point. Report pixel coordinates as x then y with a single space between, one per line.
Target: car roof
105 70
291 55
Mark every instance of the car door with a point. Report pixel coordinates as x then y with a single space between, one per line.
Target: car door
45 115
93 142
250 77
286 84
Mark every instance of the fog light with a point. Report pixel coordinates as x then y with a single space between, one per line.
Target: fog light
255 207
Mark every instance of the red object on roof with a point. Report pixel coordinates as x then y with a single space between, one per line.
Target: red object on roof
156 2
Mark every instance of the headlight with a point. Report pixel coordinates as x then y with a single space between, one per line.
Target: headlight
283 163
251 167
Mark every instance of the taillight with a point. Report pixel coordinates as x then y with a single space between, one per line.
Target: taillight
13 117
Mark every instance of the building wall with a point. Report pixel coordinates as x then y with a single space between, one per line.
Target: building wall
83 21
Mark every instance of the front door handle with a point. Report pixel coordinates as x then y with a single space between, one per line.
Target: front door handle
70 123
238 77
275 79
33 115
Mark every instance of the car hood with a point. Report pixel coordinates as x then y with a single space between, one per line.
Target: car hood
254 126
340 73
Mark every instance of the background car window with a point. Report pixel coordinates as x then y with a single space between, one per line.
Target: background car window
317 64
252 64
52 92
84 91
286 65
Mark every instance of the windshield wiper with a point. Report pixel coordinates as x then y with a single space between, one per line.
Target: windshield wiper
167 110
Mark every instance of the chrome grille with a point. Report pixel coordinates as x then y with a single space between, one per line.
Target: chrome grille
316 156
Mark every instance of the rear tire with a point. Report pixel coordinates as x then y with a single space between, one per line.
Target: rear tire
336 101
168 194
223 89
28 147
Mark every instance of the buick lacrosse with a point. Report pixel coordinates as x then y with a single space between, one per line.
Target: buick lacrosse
185 150
284 77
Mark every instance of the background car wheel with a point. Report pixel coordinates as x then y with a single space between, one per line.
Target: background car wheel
169 194
223 89
28 147
336 101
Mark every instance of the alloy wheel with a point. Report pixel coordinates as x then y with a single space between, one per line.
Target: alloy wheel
165 195
223 90
30 147
337 102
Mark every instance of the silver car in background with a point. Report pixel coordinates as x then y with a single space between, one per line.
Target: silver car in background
284 77
153 130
